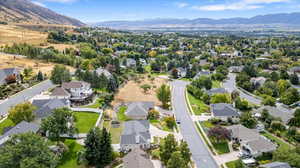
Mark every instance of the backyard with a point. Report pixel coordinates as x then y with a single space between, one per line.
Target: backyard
281 143
114 131
69 159
85 121
198 106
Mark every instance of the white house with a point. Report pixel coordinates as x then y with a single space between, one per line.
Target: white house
78 90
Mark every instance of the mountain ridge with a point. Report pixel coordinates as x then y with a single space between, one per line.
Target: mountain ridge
24 11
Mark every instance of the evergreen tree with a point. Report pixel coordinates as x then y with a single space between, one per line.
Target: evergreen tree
40 76
294 79
106 151
113 84
92 146
166 149
176 161
185 152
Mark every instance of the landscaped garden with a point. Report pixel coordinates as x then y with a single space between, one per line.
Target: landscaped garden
121 114
85 121
69 159
4 124
198 106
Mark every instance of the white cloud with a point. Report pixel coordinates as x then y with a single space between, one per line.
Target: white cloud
240 5
39 3
181 4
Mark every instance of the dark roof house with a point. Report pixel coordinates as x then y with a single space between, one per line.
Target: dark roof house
282 113
22 127
223 110
46 106
139 110
137 158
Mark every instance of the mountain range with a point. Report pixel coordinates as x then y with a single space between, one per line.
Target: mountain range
24 11
270 19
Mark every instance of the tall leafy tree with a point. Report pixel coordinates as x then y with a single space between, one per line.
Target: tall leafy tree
185 152
60 122
176 161
164 95
22 112
27 151
167 147
60 74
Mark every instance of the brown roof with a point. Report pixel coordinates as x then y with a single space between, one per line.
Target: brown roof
137 158
74 84
59 91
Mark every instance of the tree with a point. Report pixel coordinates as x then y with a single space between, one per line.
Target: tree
287 155
290 96
60 122
164 95
22 112
269 101
220 98
60 74
203 82
153 115
167 147
295 121
242 104
113 84
146 87
185 152
283 85
176 161
294 79
219 134
277 126
247 120
106 152
27 151
274 76
235 94
175 73
170 121
40 76
92 146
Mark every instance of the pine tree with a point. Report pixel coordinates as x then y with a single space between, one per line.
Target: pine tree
106 151
92 146
40 76
167 148
185 152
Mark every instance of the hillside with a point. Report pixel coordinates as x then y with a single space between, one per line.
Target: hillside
24 11
283 19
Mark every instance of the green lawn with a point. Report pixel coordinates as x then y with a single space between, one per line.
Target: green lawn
197 105
98 104
216 84
232 164
221 147
121 114
161 125
4 124
69 159
115 132
282 144
85 121
207 124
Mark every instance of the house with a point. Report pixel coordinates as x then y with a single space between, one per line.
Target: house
276 165
130 62
251 142
22 127
236 69
9 72
216 91
139 110
60 93
224 111
46 106
282 113
201 73
80 91
103 71
143 62
135 135
259 81
237 54
137 158
181 72
203 62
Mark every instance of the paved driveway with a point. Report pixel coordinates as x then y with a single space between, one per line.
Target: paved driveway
200 153
24 96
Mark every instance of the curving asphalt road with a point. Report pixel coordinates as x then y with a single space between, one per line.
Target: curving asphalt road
200 153
24 95
230 85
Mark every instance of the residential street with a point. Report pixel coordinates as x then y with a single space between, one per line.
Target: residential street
200 153
230 86
24 96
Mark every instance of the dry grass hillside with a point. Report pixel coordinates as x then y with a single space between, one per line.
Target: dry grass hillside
8 61
10 34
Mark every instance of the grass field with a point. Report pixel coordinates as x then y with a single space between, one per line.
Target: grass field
198 106
161 125
232 164
115 132
121 114
69 159
4 124
221 147
85 121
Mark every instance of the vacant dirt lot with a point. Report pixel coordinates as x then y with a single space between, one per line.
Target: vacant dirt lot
8 61
10 34
132 91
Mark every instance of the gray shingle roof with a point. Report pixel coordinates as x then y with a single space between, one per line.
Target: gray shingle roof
223 110
136 130
101 71
74 84
284 115
137 158
22 127
276 165
139 108
216 91
243 133
262 145
46 106
59 91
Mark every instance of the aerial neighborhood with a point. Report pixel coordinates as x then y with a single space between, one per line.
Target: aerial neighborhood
85 97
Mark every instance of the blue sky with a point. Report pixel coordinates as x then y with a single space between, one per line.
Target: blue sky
107 10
